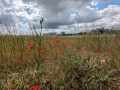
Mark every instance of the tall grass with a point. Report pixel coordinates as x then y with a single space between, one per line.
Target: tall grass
73 63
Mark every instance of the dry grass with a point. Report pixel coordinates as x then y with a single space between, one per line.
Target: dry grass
80 67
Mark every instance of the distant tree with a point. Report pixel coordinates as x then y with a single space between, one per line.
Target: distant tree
63 33
102 30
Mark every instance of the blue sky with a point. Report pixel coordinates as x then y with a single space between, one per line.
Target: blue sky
23 21
103 5
28 10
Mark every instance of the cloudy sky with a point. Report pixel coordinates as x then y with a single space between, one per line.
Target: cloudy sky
70 16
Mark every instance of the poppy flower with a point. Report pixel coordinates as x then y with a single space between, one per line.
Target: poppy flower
61 52
30 47
111 51
67 43
37 45
81 48
111 42
96 49
119 42
56 41
33 88
41 51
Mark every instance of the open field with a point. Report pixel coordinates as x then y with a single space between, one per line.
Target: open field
87 62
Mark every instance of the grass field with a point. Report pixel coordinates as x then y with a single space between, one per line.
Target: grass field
87 62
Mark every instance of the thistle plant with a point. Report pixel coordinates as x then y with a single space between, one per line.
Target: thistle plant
40 41
41 23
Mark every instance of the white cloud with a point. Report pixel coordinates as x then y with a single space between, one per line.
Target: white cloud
59 14
93 3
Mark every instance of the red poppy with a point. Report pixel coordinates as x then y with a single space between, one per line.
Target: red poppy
61 52
56 41
111 42
119 42
36 44
67 43
30 47
81 48
33 88
41 51
96 49
111 51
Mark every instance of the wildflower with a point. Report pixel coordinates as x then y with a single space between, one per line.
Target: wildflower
47 60
103 61
30 47
34 60
119 42
61 52
81 48
67 43
111 51
96 49
41 51
56 41
33 88
37 45
111 42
